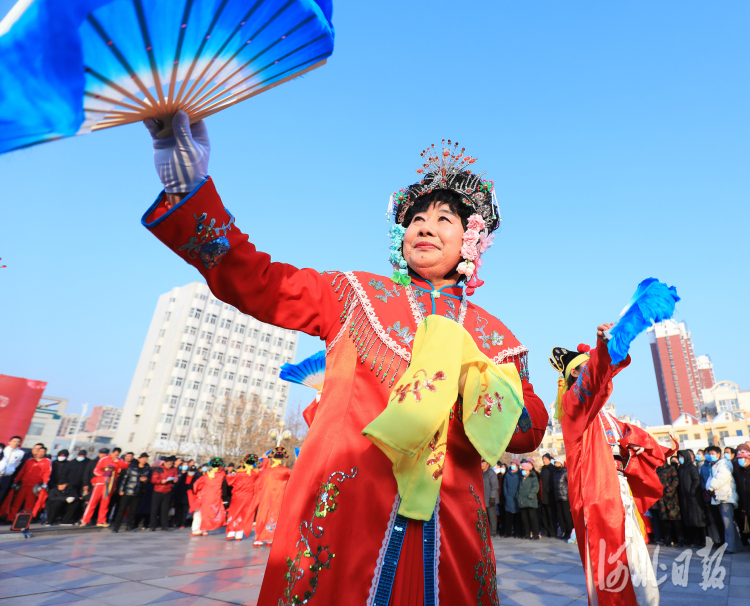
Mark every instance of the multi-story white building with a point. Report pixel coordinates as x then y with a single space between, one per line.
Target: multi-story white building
197 352
103 418
70 424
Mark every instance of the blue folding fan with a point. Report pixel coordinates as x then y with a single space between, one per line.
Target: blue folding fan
310 372
74 66
653 301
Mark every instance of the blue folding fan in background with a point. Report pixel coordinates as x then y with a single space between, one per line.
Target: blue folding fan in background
653 301
74 66
309 372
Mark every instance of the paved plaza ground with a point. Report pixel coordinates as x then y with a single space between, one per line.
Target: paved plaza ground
173 569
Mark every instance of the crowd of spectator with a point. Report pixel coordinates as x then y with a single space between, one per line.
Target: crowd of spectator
112 490
706 494
524 503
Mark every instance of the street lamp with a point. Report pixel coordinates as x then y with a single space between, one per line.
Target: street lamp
278 435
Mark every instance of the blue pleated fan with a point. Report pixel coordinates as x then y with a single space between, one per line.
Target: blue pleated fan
653 301
74 66
309 372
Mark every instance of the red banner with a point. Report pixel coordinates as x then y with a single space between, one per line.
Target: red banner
18 400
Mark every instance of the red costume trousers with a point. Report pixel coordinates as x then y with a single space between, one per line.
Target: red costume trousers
97 496
24 499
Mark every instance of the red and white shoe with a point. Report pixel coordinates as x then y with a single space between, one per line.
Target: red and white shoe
195 534
239 535
230 535
258 544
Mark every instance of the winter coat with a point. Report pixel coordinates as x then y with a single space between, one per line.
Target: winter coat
61 472
691 493
560 478
511 482
721 483
529 490
77 473
742 484
548 487
705 471
182 487
130 480
669 504
489 479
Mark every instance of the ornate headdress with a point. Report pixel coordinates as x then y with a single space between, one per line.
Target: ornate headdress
563 361
252 457
279 453
216 462
448 169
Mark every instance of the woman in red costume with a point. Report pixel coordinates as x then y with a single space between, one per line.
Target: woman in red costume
272 485
322 553
244 484
211 513
612 478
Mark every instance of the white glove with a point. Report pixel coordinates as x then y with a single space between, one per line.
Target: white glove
182 158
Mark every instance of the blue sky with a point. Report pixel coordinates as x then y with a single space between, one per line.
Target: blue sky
616 134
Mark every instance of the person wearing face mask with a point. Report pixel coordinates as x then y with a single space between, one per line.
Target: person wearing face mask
511 483
691 500
723 497
729 453
61 499
562 501
700 458
210 513
528 500
742 481
670 516
184 497
131 487
243 484
163 478
548 513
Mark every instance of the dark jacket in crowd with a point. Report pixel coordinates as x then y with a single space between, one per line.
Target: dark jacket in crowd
511 482
560 478
489 479
88 472
61 474
130 480
691 493
182 487
77 471
669 504
528 491
742 480
548 489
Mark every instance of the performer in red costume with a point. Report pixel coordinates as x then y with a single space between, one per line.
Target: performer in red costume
103 485
211 513
34 471
272 485
244 484
612 478
368 323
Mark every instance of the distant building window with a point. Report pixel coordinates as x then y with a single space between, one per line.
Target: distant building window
136 418
249 349
240 328
181 364
162 332
225 323
191 403
157 349
146 382
207 335
212 318
35 429
167 316
195 313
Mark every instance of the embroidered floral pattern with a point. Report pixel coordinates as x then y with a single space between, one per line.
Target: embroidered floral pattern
402 333
484 570
494 338
580 387
378 285
487 402
321 555
403 390
326 501
437 457
210 243
451 313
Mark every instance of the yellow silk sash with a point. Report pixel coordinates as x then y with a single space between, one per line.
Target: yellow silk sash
413 429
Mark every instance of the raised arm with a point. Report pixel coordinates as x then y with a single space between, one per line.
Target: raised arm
588 395
190 218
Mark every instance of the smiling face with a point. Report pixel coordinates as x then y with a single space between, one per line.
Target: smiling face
433 240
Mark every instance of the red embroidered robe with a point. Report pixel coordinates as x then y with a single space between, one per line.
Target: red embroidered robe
271 486
342 498
243 485
595 502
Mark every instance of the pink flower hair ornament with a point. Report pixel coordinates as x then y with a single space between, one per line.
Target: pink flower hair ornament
477 240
